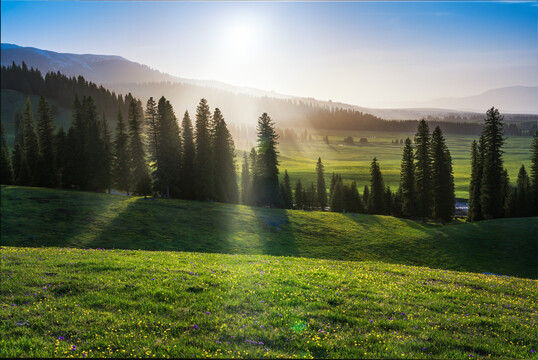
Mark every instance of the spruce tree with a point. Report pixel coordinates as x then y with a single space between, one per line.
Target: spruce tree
352 200
108 158
47 173
245 181
423 170
442 178
474 212
187 165
337 199
377 190
6 170
60 155
388 200
299 201
534 172
169 149
140 179
407 181
31 146
18 125
224 161
523 197
322 191
121 167
366 199
152 129
204 158
491 191
287 199
94 149
266 176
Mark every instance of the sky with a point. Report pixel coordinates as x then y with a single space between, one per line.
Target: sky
379 54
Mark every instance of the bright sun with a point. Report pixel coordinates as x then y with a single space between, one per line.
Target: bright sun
241 42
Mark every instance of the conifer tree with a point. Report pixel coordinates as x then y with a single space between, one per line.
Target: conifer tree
6 170
311 196
534 173
31 146
108 158
140 180
121 168
189 152
94 149
169 149
491 191
388 200
366 199
423 170
407 181
60 155
523 194
475 213
69 175
377 190
152 127
287 199
245 181
352 200
337 199
18 125
47 173
204 158
265 181
442 178
331 189
224 164
299 201
322 191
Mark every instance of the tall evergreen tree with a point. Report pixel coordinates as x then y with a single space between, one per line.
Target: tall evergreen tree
47 173
94 149
224 161
6 169
423 170
534 172
121 168
189 153
140 180
299 201
265 180
204 157
377 189
442 178
108 158
322 191
285 189
18 125
475 213
60 155
491 192
245 181
152 128
31 145
366 199
337 199
169 149
352 200
407 181
523 195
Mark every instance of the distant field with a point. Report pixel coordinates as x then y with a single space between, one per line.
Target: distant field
353 162
59 302
44 217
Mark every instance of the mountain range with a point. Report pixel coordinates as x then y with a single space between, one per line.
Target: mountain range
122 75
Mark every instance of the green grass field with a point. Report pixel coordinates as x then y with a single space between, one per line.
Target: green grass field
353 161
44 217
61 302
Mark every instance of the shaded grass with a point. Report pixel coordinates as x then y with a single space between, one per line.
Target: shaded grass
44 217
59 302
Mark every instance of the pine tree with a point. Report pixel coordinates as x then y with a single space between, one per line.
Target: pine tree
20 174
31 145
388 200
299 201
169 149
442 178
287 199
152 129
94 149
491 192
407 181
47 174
108 158
534 172
423 170
18 125
204 164
331 190
311 197
6 170
475 213
60 155
523 203
337 199
245 181
224 161
366 199
140 180
377 190
322 191
121 168
352 200
189 153
266 175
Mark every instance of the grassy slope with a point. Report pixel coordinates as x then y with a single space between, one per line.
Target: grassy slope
354 161
117 303
89 220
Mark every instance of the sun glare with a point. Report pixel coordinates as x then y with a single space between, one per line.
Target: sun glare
240 42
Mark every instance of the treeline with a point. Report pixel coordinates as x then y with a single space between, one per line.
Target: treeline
347 119
490 193
63 89
426 184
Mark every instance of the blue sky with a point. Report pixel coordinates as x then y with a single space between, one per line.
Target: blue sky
365 53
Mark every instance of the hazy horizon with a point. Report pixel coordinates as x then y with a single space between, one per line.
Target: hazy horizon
378 54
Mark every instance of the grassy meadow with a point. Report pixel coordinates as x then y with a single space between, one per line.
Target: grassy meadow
353 161
65 302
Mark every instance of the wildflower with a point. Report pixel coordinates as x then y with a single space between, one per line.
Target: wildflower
74 348
61 338
260 343
195 326
208 313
